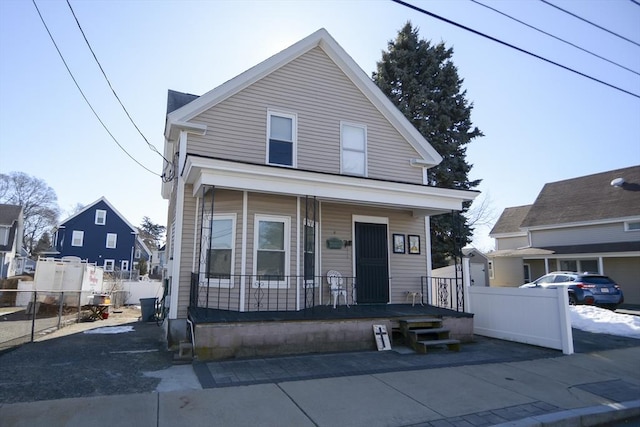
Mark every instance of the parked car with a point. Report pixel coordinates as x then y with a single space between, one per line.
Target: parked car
584 288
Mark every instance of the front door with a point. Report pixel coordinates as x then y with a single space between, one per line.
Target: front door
372 264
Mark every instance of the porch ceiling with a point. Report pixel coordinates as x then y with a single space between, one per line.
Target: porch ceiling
421 199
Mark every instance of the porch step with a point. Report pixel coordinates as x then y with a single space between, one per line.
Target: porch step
452 345
421 333
185 353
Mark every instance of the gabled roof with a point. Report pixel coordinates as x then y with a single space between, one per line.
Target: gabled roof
588 198
179 118
101 199
510 220
9 214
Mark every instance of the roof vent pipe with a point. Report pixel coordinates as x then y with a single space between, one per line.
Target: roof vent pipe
618 182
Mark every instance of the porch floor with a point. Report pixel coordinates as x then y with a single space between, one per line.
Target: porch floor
324 312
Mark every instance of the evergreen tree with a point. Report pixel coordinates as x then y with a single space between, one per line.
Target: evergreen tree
421 80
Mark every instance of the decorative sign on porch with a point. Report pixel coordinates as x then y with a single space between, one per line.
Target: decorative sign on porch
382 337
334 243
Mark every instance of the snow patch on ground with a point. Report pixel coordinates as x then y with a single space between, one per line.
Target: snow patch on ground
110 330
599 320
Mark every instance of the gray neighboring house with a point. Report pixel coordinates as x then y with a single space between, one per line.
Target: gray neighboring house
11 228
590 223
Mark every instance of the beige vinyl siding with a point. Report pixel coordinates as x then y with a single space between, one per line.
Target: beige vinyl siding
603 233
313 88
405 270
512 242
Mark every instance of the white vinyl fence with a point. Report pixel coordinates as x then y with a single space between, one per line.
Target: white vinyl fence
527 315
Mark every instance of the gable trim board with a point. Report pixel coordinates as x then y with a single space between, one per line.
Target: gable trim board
91 205
424 200
347 65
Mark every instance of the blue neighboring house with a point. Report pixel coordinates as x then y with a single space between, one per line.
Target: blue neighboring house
101 235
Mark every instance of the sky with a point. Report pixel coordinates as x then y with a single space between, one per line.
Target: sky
541 123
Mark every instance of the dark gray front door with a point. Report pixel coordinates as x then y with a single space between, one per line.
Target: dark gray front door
372 264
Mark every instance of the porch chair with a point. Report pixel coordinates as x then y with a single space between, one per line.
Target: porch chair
337 287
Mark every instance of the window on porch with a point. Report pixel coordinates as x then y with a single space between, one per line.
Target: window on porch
271 253
218 246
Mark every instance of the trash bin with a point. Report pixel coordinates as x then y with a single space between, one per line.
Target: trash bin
148 308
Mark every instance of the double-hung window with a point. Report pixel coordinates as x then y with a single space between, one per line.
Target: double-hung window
109 264
112 240
281 138
353 144
101 217
271 249
77 238
218 243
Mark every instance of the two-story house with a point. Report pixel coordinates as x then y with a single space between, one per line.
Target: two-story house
294 184
11 230
101 235
590 223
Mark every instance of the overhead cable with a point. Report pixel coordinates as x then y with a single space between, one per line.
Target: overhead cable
448 21
589 22
555 37
84 96
151 146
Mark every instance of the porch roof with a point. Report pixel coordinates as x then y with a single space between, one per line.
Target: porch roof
421 199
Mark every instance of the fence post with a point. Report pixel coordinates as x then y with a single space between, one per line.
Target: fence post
60 309
79 305
33 314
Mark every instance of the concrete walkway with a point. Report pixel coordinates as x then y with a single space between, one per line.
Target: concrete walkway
581 389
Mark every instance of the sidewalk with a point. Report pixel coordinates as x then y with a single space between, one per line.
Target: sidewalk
549 389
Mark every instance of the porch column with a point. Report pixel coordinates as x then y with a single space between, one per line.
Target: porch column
243 265
427 246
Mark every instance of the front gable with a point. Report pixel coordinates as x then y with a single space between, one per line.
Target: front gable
316 82
98 233
319 95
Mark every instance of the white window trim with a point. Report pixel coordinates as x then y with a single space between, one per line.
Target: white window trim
80 235
490 266
287 247
103 216
138 254
366 156
631 230
294 136
218 283
124 265
109 261
115 241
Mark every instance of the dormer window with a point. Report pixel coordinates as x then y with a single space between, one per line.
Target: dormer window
353 144
281 138
101 217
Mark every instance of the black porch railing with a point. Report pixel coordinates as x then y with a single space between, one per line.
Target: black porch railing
268 293
445 292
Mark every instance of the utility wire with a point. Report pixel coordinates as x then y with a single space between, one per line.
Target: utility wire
448 21
589 22
84 96
555 37
637 3
151 146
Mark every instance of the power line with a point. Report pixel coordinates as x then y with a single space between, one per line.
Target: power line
448 21
637 3
589 22
83 95
151 146
555 37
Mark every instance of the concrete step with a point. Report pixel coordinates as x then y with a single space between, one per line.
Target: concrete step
421 346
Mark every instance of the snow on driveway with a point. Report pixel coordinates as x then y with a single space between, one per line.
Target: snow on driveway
600 320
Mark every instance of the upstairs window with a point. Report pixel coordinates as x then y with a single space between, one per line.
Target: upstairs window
101 217
281 141
4 235
77 238
353 143
632 226
112 239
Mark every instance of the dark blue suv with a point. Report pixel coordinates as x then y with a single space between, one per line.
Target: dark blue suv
584 288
